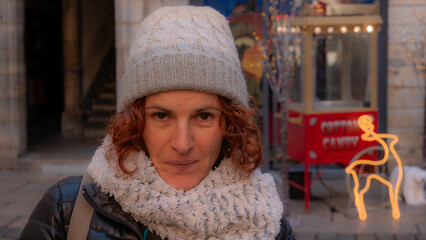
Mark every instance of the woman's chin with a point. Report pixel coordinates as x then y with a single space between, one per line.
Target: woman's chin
183 183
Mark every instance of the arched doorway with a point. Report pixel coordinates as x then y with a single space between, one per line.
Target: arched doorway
51 56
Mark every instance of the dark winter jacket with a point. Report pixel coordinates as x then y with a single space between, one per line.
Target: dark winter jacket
51 217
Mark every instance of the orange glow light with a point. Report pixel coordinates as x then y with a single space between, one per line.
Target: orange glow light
365 122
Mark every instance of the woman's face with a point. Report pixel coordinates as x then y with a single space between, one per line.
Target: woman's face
182 135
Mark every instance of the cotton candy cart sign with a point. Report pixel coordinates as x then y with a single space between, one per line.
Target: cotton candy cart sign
327 137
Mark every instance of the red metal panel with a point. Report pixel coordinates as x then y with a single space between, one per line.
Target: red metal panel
296 137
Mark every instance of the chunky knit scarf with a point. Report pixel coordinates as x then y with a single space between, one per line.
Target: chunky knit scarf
226 204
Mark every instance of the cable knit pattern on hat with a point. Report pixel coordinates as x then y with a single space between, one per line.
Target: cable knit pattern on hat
184 47
225 205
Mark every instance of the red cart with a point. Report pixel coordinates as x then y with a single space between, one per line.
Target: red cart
335 82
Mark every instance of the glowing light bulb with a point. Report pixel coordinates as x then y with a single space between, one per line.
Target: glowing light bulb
343 29
357 29
369 28
317 30
330 29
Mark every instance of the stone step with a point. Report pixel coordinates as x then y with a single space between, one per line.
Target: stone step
108 90
62 165
56 154
103 107
70 167
98 118
109 85
109 96
91 132
103 101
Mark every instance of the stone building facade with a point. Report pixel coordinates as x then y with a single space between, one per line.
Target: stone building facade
12 83
406 80
405 87
83 50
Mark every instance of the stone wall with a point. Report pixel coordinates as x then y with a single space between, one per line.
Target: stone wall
128 15
12 83
406 88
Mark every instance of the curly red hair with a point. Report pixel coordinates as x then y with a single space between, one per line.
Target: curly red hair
241 135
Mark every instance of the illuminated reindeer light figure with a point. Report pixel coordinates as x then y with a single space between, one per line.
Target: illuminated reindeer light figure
366 124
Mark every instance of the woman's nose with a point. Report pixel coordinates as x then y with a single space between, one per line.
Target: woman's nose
182 139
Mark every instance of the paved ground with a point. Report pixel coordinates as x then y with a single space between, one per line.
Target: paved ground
331 216
19 194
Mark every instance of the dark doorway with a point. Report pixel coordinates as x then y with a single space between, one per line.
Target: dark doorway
43 57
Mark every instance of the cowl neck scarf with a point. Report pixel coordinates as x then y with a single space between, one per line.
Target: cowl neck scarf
226 204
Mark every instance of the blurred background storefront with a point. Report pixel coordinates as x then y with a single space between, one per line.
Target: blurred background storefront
59 62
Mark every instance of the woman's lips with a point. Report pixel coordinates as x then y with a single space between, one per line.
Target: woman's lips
182 166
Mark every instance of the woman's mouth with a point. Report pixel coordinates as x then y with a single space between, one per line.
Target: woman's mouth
182 166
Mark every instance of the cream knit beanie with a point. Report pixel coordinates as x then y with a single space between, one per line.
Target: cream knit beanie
183 48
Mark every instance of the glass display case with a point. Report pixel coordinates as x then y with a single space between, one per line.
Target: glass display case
336 63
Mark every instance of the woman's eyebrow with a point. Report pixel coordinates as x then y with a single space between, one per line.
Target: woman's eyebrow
201 109
206 108
158 108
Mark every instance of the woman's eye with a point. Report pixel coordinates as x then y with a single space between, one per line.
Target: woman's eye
160 115
204 116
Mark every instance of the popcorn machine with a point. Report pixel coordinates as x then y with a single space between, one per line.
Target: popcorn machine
334 82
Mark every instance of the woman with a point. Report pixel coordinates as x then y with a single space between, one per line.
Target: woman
181 155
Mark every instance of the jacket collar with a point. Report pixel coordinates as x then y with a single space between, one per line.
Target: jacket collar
107 206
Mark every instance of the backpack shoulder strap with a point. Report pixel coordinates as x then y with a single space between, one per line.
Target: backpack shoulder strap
81 214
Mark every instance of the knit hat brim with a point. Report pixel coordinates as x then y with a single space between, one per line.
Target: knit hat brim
181 72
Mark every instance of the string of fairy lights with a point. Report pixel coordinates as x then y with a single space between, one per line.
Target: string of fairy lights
277 72
277 68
